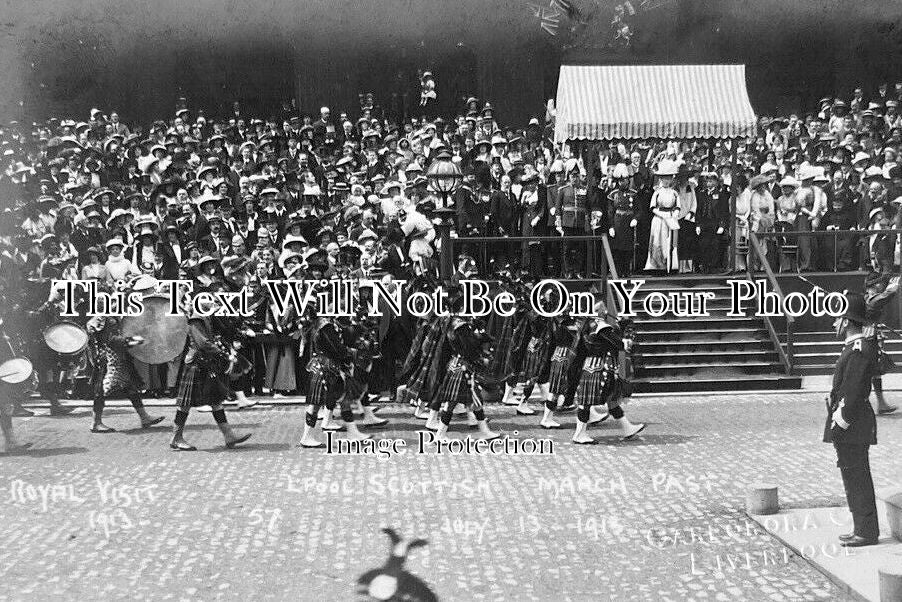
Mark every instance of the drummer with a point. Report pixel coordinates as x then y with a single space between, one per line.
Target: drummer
13 372
114 372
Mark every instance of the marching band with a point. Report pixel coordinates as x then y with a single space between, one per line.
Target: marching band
453 363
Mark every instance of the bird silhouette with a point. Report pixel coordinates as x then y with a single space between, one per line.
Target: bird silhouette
390 582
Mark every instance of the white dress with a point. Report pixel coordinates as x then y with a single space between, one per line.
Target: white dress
662 242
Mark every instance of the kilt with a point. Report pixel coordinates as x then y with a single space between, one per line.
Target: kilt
356 386
560 364
503 348
418 380
201 384
535 362
514 361
417 346
327 385
597 381
457 384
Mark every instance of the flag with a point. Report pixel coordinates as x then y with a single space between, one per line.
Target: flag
566 6
550 20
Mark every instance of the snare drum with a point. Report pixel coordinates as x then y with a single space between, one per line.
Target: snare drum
16 370
66 338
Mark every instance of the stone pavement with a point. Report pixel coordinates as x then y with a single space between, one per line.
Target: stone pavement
120 516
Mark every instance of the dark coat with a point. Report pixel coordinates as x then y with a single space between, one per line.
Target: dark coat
851 387
504 217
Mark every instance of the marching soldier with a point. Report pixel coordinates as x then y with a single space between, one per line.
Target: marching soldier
851 426
329 366
204 381
595 379
114 372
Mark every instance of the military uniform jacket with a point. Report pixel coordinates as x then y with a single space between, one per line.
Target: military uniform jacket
851 388
621 212
572 206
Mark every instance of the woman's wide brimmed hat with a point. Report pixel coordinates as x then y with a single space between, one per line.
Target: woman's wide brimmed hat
757 181
667 168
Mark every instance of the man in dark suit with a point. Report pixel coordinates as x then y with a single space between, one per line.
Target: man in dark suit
394 261
533 222
504 220
851 426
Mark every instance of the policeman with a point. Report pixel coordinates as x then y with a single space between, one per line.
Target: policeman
851 425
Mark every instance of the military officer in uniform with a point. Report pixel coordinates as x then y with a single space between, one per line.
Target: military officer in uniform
622 220
851 426
572 218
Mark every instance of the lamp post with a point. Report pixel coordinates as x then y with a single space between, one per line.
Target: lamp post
444 177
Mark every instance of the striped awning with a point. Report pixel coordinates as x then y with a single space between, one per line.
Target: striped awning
656 101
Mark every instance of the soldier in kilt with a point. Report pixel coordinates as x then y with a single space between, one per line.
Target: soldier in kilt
564 329
362 334
536 361
424 356
595 379
203 381
330 363
10 393
879 288
513 363
114 373
465 365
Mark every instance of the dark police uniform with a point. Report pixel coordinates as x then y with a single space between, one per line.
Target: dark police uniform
857 431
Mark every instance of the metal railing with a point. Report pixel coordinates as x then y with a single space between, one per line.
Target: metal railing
550 251
756 255
829 250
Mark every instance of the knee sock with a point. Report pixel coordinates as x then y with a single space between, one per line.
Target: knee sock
447 413
220 416
582 414
310 418
347 415
181 418
6 425
527 390
99 403
137 403
479 414
616 413
550 404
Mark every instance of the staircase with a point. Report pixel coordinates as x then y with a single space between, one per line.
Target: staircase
716 353
815 353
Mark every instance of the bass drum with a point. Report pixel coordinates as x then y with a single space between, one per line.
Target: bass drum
164 335
16 370
66 338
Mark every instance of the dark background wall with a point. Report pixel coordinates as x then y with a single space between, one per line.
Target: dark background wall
62 58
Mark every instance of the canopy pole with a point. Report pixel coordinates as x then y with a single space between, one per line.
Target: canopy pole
733 194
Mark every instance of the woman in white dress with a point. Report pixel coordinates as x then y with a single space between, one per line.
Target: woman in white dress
665 205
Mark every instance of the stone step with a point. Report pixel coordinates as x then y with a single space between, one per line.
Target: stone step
726 370
714 323
699 334
702 346
717 358
763 382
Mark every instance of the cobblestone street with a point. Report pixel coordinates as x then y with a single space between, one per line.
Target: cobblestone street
120 516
